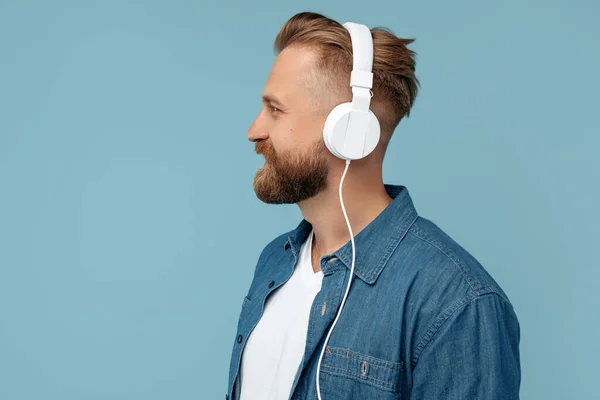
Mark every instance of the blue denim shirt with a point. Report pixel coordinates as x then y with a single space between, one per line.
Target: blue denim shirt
422 320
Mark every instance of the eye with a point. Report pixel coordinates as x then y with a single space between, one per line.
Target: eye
274 109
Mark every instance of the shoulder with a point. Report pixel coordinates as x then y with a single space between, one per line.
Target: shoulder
442 256
440 279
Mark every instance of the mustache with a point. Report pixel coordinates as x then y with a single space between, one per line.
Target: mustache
264 148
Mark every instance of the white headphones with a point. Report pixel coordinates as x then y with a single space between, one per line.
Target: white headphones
351 130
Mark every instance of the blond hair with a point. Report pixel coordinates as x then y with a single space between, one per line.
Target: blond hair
394 82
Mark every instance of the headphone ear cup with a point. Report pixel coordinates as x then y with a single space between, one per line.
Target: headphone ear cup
373 134
350 142
334 131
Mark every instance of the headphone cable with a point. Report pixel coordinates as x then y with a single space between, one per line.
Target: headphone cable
349 279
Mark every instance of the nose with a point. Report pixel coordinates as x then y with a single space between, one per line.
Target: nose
257 130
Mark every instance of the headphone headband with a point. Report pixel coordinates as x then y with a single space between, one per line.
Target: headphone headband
362 55
351 130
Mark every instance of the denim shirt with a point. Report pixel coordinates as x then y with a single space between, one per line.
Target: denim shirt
422 320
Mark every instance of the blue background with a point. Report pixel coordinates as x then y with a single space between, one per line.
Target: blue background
129 229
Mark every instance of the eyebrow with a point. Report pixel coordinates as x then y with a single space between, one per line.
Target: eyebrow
270 99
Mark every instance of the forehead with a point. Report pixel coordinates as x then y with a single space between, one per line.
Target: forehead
290 73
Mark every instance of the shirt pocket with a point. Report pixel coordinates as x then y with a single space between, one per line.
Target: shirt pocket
348 374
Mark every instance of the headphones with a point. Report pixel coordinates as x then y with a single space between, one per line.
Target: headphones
351 130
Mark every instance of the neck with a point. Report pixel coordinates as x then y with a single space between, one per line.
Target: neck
364 198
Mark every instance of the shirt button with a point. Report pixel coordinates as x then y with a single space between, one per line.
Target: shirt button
239 338
271 284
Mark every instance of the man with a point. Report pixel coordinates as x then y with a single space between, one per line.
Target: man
422 319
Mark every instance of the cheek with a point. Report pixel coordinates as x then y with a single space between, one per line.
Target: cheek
285 138
295 134
283 130
307 131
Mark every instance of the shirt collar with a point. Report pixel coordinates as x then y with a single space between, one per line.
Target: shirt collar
375 243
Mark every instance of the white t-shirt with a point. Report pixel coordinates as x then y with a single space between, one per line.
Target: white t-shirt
275 347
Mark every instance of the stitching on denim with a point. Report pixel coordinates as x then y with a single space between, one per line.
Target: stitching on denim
456 261
369 380
351 374
490 289
439 321
445 316
393 245
337 351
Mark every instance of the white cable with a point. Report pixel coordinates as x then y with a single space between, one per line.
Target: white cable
349 279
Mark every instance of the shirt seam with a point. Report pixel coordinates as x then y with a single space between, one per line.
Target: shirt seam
459 304
473 283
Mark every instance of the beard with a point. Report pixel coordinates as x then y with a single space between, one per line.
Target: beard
291 177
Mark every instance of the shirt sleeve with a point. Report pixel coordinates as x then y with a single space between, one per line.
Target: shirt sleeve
474 354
